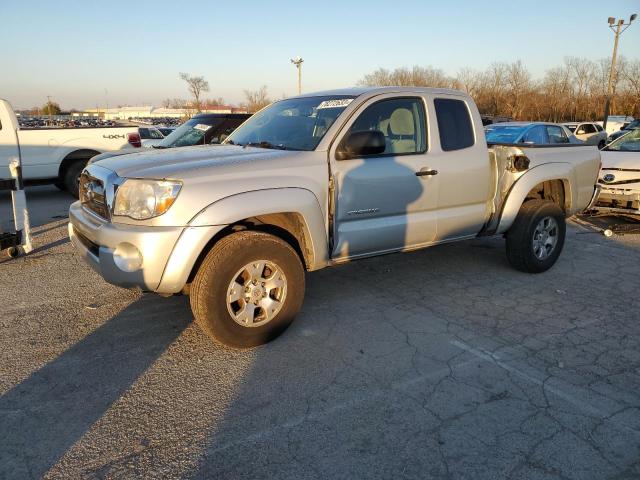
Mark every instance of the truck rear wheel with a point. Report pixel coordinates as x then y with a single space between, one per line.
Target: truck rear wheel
248 289
536 238
71 176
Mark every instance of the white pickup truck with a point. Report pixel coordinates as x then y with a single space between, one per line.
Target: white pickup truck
56 155
314 181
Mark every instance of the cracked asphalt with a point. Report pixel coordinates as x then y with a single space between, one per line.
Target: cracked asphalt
443 363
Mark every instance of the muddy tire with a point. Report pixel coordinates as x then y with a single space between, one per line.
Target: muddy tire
536 238
248 289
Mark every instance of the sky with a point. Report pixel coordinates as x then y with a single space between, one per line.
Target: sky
85 53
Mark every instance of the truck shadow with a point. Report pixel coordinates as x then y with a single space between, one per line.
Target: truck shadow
42 417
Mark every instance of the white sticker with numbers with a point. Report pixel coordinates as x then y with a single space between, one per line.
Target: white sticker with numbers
337 103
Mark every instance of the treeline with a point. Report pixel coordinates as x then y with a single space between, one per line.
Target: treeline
573 91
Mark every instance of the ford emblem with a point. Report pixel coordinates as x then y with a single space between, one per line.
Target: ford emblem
609 177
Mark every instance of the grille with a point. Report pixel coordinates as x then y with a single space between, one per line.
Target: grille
92 195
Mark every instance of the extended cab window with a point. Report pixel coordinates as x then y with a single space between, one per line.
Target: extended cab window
401 121
454 124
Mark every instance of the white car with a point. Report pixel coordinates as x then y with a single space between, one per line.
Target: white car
150 136
620 175
56 155
589 132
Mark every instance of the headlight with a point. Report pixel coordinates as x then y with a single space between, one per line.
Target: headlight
144 199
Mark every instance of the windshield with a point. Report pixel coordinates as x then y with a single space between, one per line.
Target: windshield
629 142
295 124
189 133
504 134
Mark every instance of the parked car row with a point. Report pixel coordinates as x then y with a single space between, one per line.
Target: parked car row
158 121
45 122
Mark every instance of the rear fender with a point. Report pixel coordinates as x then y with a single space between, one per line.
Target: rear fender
518 193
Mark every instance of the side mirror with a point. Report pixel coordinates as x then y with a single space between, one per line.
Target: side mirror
357 144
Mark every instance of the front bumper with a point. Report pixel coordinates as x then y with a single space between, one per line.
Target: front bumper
166 254
617 200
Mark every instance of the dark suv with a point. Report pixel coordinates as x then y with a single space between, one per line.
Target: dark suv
203 129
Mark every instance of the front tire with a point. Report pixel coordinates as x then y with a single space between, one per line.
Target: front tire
248 289
536 238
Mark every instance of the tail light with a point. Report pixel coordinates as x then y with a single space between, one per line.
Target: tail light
134 140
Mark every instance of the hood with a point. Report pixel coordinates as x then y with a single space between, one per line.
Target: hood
623 160
186 162
114 153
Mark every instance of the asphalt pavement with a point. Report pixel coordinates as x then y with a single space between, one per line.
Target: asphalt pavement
443 363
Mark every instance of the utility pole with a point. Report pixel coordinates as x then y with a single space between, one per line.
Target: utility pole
617 27
49 108
298 63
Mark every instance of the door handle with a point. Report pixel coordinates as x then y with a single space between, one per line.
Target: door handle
422 173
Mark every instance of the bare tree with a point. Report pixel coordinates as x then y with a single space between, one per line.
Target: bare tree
214 101
416 76
575 90
631 79
197 85
257 99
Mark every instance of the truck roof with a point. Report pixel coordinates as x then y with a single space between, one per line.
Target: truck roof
357 91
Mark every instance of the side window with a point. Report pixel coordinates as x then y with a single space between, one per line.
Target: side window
581 130
454 124
156 135
223 130
401 121
144 133
556 134
599 128
589 128
535 135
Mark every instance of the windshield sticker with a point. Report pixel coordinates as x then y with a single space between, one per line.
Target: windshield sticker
338 103
202 127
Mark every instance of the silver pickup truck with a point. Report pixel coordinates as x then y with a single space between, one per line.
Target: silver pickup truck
314 181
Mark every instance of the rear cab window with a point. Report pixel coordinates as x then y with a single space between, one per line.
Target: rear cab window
454 124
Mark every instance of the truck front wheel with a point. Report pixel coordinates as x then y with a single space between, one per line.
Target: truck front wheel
248 289
536 238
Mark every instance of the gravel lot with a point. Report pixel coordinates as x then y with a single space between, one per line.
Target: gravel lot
443 363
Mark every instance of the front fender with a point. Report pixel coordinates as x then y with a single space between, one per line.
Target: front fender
277 200
234 208
542 173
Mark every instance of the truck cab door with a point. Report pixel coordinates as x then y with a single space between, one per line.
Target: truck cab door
459 153
385 202
8 138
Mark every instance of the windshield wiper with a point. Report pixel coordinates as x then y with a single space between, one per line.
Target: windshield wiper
265 144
